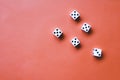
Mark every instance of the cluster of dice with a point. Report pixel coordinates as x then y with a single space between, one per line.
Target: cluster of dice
75 41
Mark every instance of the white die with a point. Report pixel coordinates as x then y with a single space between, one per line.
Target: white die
75 15
75 41
97 52
57 32
86 27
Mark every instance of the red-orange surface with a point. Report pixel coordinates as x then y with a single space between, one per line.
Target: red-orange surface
29 51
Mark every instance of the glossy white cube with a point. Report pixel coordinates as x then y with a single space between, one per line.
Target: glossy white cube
57 32
74 15
97 52
75 41
86 27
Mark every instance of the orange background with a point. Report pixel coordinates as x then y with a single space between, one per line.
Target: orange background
29 51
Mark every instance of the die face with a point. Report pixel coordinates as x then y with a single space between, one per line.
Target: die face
57 32
75 41
86 27
75 15
97 52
